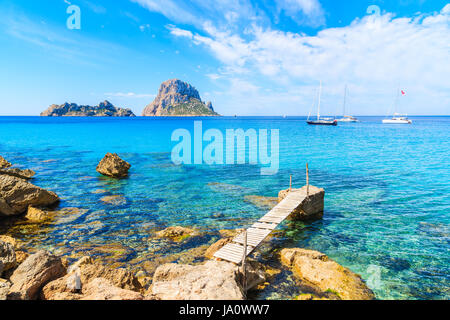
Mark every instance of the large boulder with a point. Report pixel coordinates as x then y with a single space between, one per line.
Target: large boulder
83 272
102 289
325 275
16 195
4 164
215 280
113 166
33 274
7 256
311 208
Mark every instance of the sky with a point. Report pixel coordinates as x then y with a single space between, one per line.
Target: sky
249 57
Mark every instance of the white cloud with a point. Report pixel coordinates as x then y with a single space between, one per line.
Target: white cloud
373 55
309 12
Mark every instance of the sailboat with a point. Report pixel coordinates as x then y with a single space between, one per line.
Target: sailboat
398 118
321 121
346 118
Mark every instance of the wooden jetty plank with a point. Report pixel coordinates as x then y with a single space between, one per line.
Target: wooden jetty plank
264 225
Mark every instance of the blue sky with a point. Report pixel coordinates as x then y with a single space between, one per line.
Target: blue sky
248 57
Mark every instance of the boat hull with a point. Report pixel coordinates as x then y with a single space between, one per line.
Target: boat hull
390 121
323 123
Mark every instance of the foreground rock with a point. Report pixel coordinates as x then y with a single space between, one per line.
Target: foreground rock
327 276
311 208
4 164
4 289
178 98
176 233
7 257
18 173
113 166
102 289
104 109
33 274
83 272
16 195
212 281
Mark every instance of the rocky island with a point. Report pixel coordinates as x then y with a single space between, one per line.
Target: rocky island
104 109
179 99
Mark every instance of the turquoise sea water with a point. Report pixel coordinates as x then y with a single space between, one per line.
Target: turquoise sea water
387 192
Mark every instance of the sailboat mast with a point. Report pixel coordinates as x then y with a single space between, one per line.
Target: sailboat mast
345 99
318 107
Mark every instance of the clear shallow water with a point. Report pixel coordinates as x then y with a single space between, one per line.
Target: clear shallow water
387 202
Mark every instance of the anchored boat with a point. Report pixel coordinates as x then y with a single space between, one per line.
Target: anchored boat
346 118
397 117
322 121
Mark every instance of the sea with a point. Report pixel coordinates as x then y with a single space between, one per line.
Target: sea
387 203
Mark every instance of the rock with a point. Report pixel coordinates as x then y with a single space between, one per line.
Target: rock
209 254
18 173
4 288
262 202
178 98
10 240
37 215
104 109
16 195
1 268
87 270
326 275
102 289
215 280
112 166
311 208
21 256
33 274
115 200
7 256
4 164
176 233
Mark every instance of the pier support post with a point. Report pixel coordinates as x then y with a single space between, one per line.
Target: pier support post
244 267
307 179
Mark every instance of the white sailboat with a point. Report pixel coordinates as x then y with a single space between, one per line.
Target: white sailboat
398 118
346 118
321 121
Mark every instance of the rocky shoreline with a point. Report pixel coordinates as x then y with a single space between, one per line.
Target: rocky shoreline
29 275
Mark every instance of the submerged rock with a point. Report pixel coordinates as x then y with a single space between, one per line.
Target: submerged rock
113 166
16 195
115 200
214 280
176 233
262 202
325 275
37 215
311 208
33 274
4 164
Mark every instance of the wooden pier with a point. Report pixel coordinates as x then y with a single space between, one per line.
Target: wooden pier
307 198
